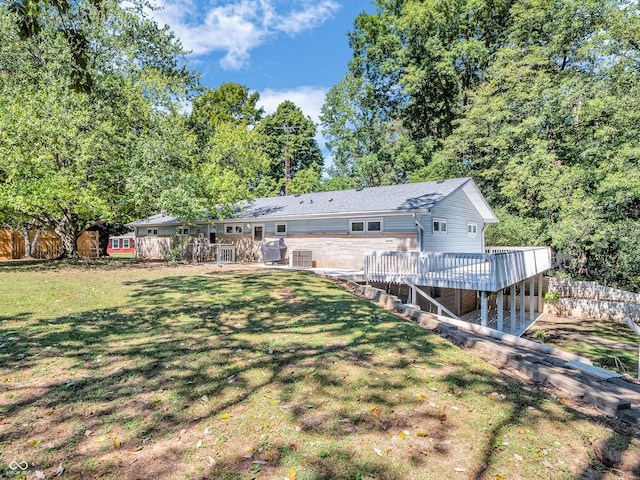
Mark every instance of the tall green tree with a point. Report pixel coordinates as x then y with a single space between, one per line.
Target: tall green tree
232 167
367 146
289 133
230 103
412 65
83 97
551 135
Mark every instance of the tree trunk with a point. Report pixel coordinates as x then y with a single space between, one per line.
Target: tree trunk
67 231
27 243
34 244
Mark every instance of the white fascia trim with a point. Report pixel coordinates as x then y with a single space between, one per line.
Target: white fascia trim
333 215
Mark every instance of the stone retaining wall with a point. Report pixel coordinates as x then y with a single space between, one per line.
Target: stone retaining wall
588 299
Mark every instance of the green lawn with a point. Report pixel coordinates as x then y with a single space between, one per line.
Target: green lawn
609 344
121 371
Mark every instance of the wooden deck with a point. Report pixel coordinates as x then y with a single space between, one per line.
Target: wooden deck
495 270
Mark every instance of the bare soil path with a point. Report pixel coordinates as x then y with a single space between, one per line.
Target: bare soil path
608 343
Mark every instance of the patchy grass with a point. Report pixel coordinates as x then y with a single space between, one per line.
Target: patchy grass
609 344
120 371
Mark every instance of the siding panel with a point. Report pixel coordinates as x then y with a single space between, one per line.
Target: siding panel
458 210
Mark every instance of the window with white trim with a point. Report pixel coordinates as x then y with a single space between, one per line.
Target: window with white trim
472 229
281 228
115 244
374 226
233 229
152 231
440 226
371 225
183 231
126 243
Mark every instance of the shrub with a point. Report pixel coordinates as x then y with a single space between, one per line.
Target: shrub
541 335
551 297
174 255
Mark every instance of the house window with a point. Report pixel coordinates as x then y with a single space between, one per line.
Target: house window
356 227
233 229
115 244
472 229
183 231
125 243
373 225
281 228
152 231
439 225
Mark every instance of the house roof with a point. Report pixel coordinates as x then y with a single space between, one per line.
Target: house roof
409 197
160 220
126 235
406 198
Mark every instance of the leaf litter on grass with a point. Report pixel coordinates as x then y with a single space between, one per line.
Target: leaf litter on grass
334 357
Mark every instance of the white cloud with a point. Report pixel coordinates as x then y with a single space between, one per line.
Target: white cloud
306 19
308 99
237 27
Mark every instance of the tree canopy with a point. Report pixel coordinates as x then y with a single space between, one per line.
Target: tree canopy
89 123
533 99
234 132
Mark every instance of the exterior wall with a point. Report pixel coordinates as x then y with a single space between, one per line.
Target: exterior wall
343 250
120 250
328 238
152 247
459 302
458 210
335 224
247 250
171 230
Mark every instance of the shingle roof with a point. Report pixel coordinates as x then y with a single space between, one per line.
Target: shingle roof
409 197
161 219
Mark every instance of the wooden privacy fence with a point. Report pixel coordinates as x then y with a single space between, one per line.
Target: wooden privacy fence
49 245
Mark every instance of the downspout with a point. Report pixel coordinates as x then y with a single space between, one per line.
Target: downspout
420 231
484 247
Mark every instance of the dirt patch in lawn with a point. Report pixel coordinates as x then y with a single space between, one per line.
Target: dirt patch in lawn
207 372
607 343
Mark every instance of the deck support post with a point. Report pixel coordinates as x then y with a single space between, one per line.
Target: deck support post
414 299
540 297
500 311
484 307
523 313
532 299
512 308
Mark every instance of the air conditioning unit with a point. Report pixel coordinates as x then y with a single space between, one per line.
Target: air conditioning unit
301 259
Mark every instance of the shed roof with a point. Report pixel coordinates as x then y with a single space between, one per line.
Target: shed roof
406 198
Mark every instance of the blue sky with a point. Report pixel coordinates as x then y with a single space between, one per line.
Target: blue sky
285 50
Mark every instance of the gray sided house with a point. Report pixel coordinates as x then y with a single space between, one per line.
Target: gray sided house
338 228
157 235
426 239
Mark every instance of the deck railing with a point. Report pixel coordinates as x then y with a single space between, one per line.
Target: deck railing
489 272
